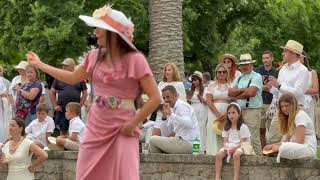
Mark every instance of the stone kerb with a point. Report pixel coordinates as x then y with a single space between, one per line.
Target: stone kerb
61 165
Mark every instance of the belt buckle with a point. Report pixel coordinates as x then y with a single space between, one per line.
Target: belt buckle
113 102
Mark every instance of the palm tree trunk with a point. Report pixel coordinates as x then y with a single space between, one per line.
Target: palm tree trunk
166 44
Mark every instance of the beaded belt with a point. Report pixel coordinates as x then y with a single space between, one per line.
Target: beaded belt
112 102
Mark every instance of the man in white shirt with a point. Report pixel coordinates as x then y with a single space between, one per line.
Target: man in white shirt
41 128
181 116
293 78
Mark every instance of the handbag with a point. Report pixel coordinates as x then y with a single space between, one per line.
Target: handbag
271 111
247 149
21 113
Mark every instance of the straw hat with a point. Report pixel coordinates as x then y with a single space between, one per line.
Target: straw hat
294 46
112 20
229 56
22 65
246 59
218 124
68 61
198 74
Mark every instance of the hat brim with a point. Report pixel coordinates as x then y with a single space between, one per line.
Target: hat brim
283 47
197 75
247 62
20 67
94 22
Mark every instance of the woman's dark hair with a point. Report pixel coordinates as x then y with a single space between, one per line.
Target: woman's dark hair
193 88
240 121
21 124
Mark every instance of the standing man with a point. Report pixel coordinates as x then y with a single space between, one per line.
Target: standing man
181 116
293 78
266 70
247 92
66 93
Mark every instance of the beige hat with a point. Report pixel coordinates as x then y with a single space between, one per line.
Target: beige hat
228 56
246 59
22 65
198 74
294 46
68 61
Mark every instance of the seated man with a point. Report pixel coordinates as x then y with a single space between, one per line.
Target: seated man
181 117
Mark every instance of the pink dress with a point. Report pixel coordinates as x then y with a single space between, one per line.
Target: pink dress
105 153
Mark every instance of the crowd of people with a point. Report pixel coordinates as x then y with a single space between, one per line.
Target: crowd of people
243 110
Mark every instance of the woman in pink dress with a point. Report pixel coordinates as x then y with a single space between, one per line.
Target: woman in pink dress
118 73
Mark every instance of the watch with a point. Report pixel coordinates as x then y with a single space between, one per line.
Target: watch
279 86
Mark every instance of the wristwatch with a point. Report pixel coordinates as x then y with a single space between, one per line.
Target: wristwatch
279 86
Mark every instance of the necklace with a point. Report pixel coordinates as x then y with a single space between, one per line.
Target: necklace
13 146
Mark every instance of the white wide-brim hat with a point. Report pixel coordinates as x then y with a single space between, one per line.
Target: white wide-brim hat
198 74
294 46
246 59
112 20
22 65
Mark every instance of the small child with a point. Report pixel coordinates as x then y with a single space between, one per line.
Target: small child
41 128
235 133
76 127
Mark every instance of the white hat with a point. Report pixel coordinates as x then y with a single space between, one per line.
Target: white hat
22 65
68 61
198 74
112 20
246 59
294 46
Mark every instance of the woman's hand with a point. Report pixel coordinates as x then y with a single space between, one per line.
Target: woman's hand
128 129
32 169
33 59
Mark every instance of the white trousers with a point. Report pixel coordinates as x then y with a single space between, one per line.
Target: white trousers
170 145
201 112
291 150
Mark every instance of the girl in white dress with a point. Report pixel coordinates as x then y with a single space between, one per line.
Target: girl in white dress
231 62
5 112
217 101
18 151
196 100
299 139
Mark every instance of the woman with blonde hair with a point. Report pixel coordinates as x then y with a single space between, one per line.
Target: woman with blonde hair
171 76
299 139
217 101
231 62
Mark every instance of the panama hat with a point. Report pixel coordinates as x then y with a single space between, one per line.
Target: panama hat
22 65
246 59
198 74
294 46
68 61
112 20
228 56
218 124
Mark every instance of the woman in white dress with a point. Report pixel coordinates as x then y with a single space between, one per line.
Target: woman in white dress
171 76
5 113
197 101
312 92
217 101
18 151
231 62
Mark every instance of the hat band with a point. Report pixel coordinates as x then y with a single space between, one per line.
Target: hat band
245 60
125 30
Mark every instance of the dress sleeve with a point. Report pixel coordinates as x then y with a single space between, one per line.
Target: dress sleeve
138 66
89 60
244 131
301 119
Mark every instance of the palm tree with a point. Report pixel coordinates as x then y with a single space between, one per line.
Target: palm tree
166 44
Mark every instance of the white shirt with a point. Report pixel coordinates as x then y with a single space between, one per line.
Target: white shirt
76 126
293 78
179 88
166 130
184 121
303 119
234 135
36 130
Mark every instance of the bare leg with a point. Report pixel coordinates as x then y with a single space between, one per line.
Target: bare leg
236 162
218 164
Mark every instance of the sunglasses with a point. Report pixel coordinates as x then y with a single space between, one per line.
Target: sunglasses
221 72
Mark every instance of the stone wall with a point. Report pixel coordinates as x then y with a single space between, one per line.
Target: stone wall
61 166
